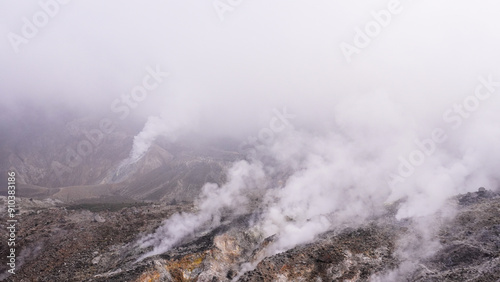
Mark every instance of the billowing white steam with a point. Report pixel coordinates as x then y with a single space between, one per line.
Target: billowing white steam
342 177
232 197
178 118
145 138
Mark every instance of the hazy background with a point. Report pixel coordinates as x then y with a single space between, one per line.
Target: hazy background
352 120
263 55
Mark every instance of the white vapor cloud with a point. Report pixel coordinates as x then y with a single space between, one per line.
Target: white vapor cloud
354 122
231 198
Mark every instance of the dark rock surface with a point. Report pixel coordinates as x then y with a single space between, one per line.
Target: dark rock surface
58 242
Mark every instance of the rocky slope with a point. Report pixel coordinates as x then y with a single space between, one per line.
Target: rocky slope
49 166
84 225
97 242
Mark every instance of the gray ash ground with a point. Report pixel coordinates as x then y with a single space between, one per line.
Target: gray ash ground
96 242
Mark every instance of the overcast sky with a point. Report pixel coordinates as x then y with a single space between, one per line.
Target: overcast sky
264 54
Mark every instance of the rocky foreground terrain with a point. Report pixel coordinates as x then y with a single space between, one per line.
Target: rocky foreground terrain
97 242
86 224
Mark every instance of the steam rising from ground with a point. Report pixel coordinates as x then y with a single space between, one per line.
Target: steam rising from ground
309 182
179 117
232 197
355 121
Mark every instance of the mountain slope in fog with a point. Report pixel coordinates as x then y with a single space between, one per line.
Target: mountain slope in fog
47 166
